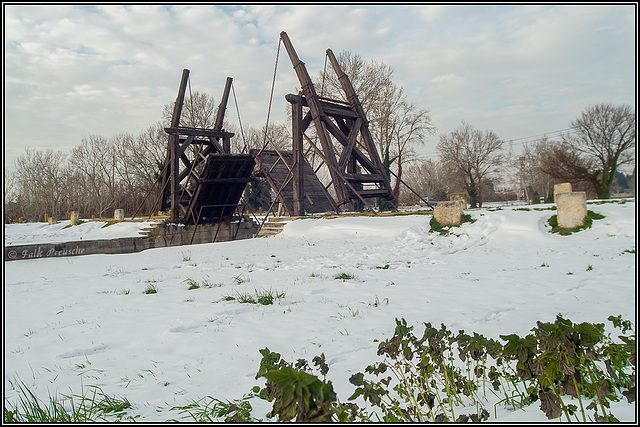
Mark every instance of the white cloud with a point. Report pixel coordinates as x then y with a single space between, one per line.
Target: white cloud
518 70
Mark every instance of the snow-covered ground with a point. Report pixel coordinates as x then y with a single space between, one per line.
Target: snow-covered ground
78 321
61 232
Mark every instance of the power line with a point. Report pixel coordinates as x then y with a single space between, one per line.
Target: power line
510 141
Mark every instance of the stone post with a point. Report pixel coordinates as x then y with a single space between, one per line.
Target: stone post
565 187
74 217
448 213
118 215
461 197
51 220
572 209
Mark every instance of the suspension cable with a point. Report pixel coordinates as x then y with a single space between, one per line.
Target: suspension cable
324 74
191 99
273 83
244 149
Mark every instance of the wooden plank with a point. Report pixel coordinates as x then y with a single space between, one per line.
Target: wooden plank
224 178
282 174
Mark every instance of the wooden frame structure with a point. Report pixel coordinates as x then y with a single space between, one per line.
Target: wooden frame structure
278 169
205 183
356 171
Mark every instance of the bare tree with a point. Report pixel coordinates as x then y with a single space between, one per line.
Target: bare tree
473 155
198 111
563 164
527 171
277 137
39 181
146 155
92 160
400 129
427 178
602 140
369 79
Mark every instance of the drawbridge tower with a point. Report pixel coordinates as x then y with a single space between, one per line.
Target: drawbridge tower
345 147
202 181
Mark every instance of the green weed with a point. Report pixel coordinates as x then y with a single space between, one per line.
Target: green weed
239 279
66 409
261 297
186 256
344 276
150 289
211 410
192 284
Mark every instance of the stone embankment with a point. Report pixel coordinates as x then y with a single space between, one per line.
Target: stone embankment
163 235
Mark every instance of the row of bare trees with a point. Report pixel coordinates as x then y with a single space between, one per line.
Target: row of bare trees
98 176
103 174
600 144
601 141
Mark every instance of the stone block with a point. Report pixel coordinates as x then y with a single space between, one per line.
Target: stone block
449 213
461 197
118 215
74 217
565 187
572 209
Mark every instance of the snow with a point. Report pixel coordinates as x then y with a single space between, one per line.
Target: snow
61 232
79 321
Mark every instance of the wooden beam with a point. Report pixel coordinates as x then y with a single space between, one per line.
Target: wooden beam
317 114
223 105
298 159
354 102
198 132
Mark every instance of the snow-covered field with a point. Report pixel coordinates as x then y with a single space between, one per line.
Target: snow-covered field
79 321
43 232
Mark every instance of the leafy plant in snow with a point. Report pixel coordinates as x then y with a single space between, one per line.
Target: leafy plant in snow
420 379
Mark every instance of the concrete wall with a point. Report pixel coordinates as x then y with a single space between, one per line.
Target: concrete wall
164 236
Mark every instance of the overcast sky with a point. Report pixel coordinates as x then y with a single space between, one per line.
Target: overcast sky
520 71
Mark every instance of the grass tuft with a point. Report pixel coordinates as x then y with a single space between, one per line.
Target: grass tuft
344 276
262 297
150 289
65 409
588 222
